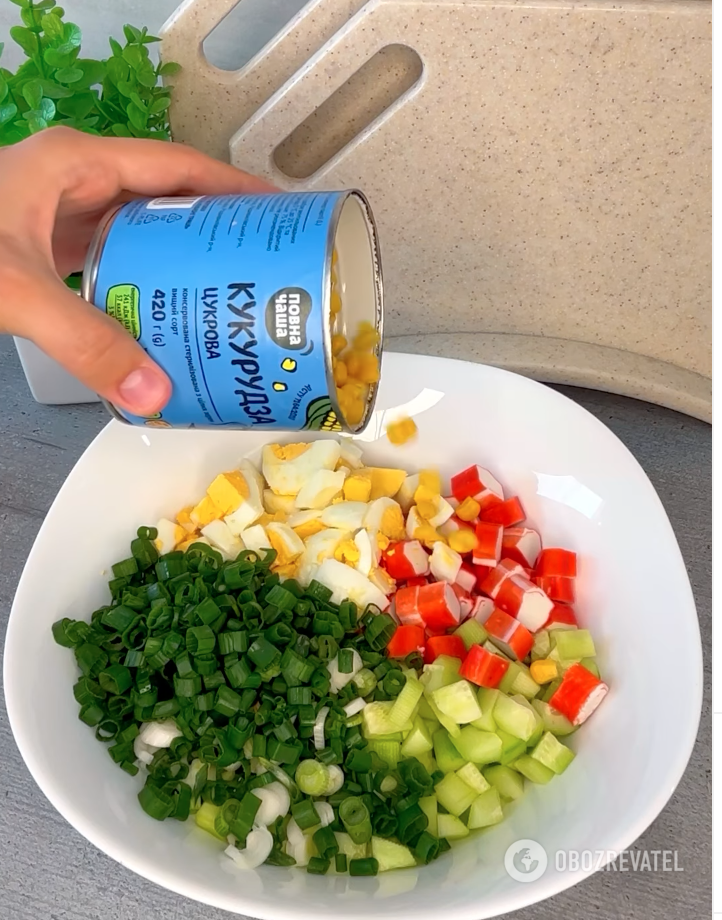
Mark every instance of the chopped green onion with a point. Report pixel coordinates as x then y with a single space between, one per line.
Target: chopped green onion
356 819
366 866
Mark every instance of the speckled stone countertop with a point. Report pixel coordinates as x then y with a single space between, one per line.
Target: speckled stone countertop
49 872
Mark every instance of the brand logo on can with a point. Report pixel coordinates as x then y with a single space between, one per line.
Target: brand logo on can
286 314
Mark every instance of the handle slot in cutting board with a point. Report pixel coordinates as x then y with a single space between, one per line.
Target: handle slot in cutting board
377 85
247 28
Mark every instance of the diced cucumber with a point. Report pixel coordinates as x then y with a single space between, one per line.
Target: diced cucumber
560 627
550 690
454 794
451 828
552 753
449 724
534 771
562 663
388 751
472 633
349 848
513 717
511 747
440 673
538 721
591 665
574 643
425 711
206 819
477 746
542 645
429 805
428 762
391 855
458 702
485 810
446 754
512 672
486 697
377 721
418 740
554 721
509 782
473 777
404 706
524 683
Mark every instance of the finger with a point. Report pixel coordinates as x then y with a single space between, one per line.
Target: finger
90 345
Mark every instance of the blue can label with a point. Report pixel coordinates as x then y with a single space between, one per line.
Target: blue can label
227 295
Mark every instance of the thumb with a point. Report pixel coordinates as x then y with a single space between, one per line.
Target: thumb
90 345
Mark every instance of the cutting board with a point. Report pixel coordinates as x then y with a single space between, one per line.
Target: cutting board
541 183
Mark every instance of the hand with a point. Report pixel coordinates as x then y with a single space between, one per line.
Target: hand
54 188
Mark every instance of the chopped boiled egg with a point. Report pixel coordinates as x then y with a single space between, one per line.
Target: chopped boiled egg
306 523
228 491
287 468
346 582
250 508
357 486
256 539
287 544
205 511
385 515
368 552
320 488
219 533
385 483
445 563
345 515
184 519
381 579
274 503
440 511
405 495
347 551
169 536
318 547
351 453
190 540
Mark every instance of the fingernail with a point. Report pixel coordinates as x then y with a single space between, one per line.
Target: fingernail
144 390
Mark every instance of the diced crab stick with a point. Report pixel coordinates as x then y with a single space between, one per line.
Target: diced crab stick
488 544
507 513
557 587
438 606
481 572
453 646
482 609
509 635
466 601
466 578
498 575
445 563
578 695
522 544
405 640
555 561
483 668
477 483
561 615
406 606
406 559
417 582
521 598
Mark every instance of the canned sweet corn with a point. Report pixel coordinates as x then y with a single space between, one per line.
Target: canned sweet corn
264 310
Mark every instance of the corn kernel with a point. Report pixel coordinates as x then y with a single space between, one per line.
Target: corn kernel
468 510
543 670
431 480
369 370
335 301
401 431
353 363
338 343
340 374
426 509
428 535
463 541
382 541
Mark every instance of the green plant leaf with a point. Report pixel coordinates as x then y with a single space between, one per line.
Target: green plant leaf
35 122
93 71
55 90
117 70
115 47
52 26
27 40
169 69
159 105
125 88
31 18
131 33
72 35
136 117
149 39
132 55
147 78
33 93
44 4
3 88
118 129
139 102
47 109
8 112
69 75
77 106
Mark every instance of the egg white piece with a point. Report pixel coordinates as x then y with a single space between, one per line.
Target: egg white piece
168 535
413 522
256 539
320 546
286 504
299 518
443 512
251 508
346 582
369 553
287 477
221 537
385 515
320 488
351 453
347 516
292 544
405 495
381 580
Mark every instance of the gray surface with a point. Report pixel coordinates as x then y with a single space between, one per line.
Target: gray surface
48 872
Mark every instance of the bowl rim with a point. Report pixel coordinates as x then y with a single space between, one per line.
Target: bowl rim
546 887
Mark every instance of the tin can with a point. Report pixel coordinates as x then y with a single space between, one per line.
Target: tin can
232 296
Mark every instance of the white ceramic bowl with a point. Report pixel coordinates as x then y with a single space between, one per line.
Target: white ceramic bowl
580 486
